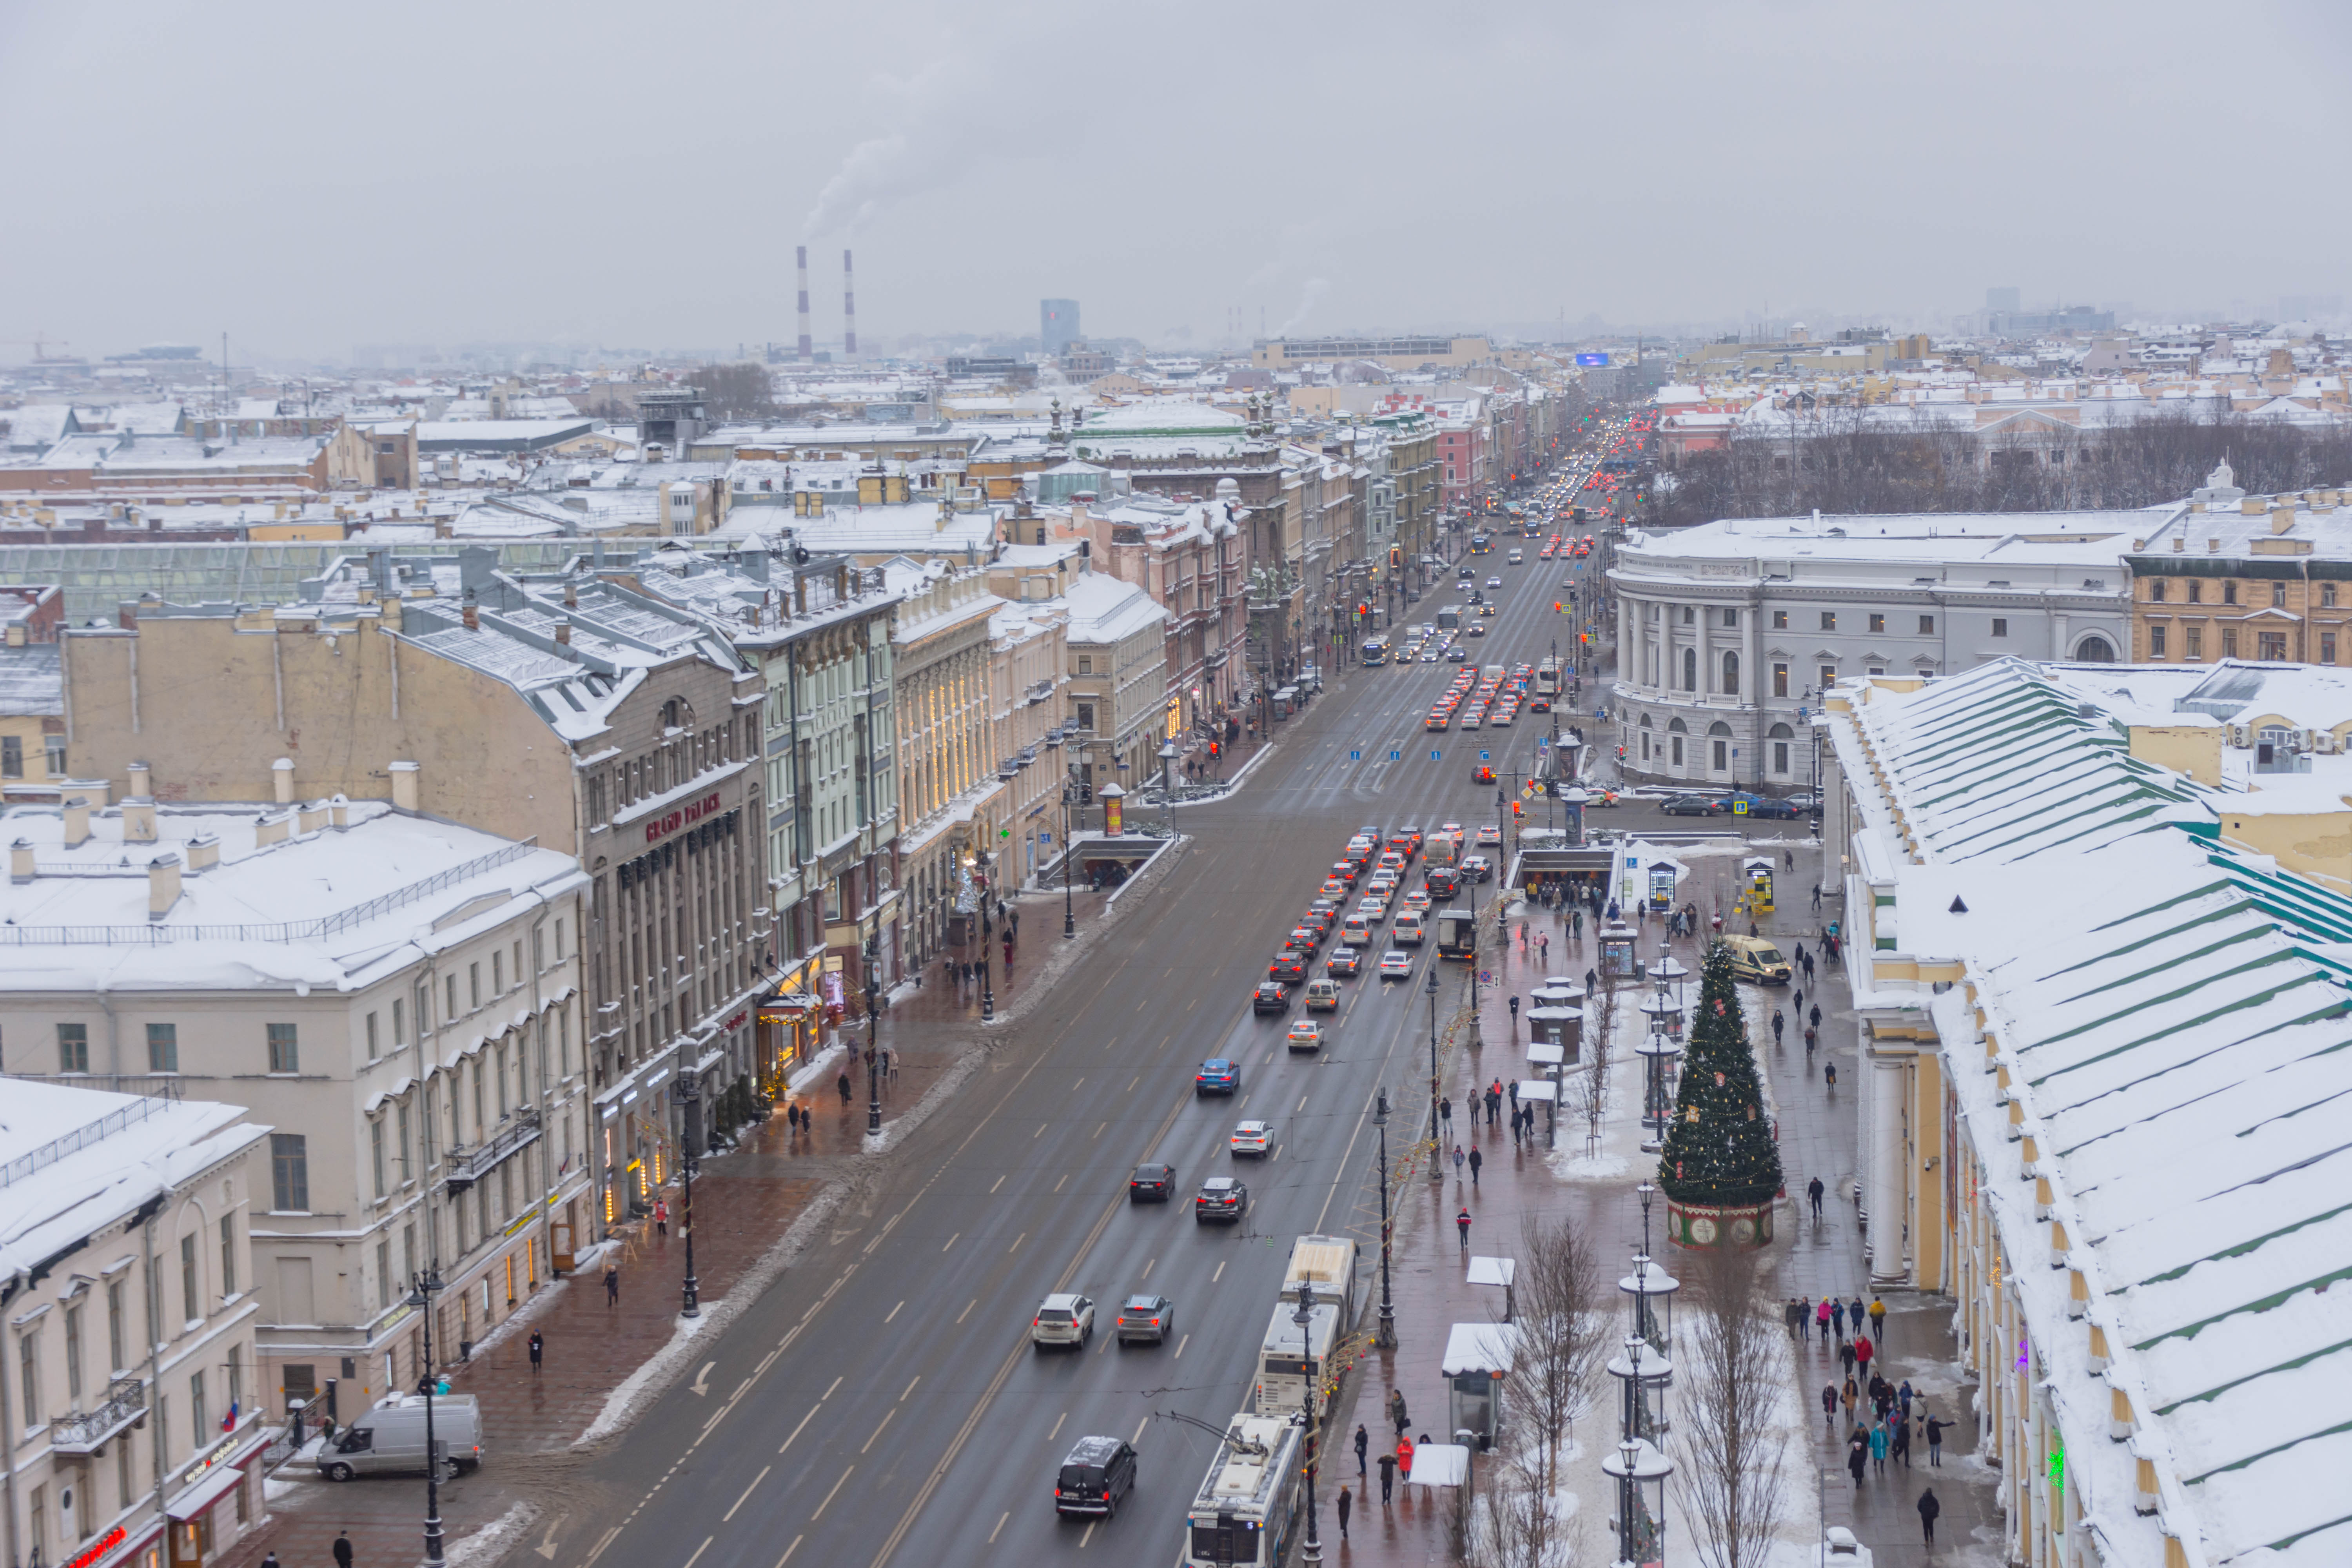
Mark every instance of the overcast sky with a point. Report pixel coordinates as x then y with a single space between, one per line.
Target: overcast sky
309 177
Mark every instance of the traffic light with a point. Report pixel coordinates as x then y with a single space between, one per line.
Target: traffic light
1555 607
1086 793
1396 555
1518 811
1214 747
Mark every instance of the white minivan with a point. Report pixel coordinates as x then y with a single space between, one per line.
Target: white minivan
1407 931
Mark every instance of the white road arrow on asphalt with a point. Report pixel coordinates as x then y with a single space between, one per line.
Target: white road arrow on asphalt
702 1378
547 1547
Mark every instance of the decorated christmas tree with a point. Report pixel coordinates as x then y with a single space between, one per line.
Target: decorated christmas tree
1719 1151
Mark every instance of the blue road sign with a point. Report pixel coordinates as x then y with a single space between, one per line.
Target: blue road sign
1355 756
1396 756
1484 758
1435 755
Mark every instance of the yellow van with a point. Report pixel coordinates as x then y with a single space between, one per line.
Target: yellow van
1754 959
1322 995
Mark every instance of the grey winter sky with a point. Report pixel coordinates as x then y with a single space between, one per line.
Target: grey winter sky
306 177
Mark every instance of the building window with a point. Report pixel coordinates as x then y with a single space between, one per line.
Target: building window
473 986
1731 675
399 1025
1085 716
1690 669
162 1047
53 752
12 756
199 1417
2156 642
449 1001
2278 595
228 1255
1677 742
2156 590
2327 596
1690 616
2229 590
1829 620
2271 647
73 1048
284 1057
497 974
1732 617
400 1138
1829 677
28 1378
115 1332
2196 592
1779 620
2000 628
1927 626
1086 664
2228 642
374 1049
1779 680
1877 623
73 1353
1722 754
1779 756
289 1173
2192 642
2328 648
192 1303
375 1154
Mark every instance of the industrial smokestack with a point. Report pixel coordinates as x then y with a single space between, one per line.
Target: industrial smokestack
808 347
848 309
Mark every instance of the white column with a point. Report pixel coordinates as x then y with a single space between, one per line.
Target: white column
1886 1171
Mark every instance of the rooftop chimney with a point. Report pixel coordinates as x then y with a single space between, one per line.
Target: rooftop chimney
808 348
77 821
137 820
471 612
140 773
204 852
20 861
848 310
563 633
162 885
339 809
281 775
2282 518
406 782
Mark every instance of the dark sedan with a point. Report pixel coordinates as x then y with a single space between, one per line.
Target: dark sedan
1290 968
1688 805
1271 996
1151 1183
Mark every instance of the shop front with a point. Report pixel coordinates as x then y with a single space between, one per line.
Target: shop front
211 1502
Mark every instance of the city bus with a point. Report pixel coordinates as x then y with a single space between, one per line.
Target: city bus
1480 545
1375 651
1547 679
1449 619
1247 1509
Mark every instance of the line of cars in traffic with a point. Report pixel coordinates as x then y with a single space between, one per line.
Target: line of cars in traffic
1738 803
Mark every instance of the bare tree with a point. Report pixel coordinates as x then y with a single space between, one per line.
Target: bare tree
1516 1520
1732 1475
1563 1323
740 391
1596 1052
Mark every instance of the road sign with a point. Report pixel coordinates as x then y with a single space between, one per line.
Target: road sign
1435 755
1484 758
1355 756
1396 756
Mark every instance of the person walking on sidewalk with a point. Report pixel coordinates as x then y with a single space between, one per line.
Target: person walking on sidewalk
1777 1023
1878 1449
1461 1223
1814 1017
1829 1076
1387 1478
1845 1355
1828 1407
1812 1039
1474 1162
1493 1101
1934 1443
1837 1316
1345 1504
1445 1113
1900 1450
1457 1161
1928 1509
1822 1319
1813 1189
1857 1456
661 1218
538 1346
1878 1320
1792 1314
342 1549
1543 948
1405 1455
612 1285
1364 1444
1396 1410
1849 1396
1862 1351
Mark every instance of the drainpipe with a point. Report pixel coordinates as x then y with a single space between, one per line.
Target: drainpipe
8 1429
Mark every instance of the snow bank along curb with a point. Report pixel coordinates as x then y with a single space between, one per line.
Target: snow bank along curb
1141 871
494 1540
634 1393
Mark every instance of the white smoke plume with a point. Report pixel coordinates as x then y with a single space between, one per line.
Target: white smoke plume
1316 288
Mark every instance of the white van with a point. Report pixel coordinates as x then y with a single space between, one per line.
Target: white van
1356 932
1407 931
391 1437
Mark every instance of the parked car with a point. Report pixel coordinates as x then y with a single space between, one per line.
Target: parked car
390 1438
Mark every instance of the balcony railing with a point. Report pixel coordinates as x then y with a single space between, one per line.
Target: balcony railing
85 1431
463 1167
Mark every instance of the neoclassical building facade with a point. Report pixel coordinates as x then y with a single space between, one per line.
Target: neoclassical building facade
1728 634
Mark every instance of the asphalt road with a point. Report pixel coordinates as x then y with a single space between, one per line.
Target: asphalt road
881 1403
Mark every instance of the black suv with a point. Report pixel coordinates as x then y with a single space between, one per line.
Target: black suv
1099 1472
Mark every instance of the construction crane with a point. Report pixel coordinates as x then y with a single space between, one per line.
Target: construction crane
40 346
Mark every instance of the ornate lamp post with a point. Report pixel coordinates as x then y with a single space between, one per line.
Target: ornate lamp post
987 860
686 1093
1310 1373
1168 785
873 1055
420 1297
1386 1336
1437 1165
1069 918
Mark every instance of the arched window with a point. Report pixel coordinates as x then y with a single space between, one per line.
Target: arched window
2094 651
1731 675
1719 747
1676 731
1777 742
1690 669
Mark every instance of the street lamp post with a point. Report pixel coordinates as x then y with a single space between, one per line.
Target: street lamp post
1437 1165
1310 1372
987 941
686 1091
873 1057
1168 785
1386 1337
420 1297
1070 916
